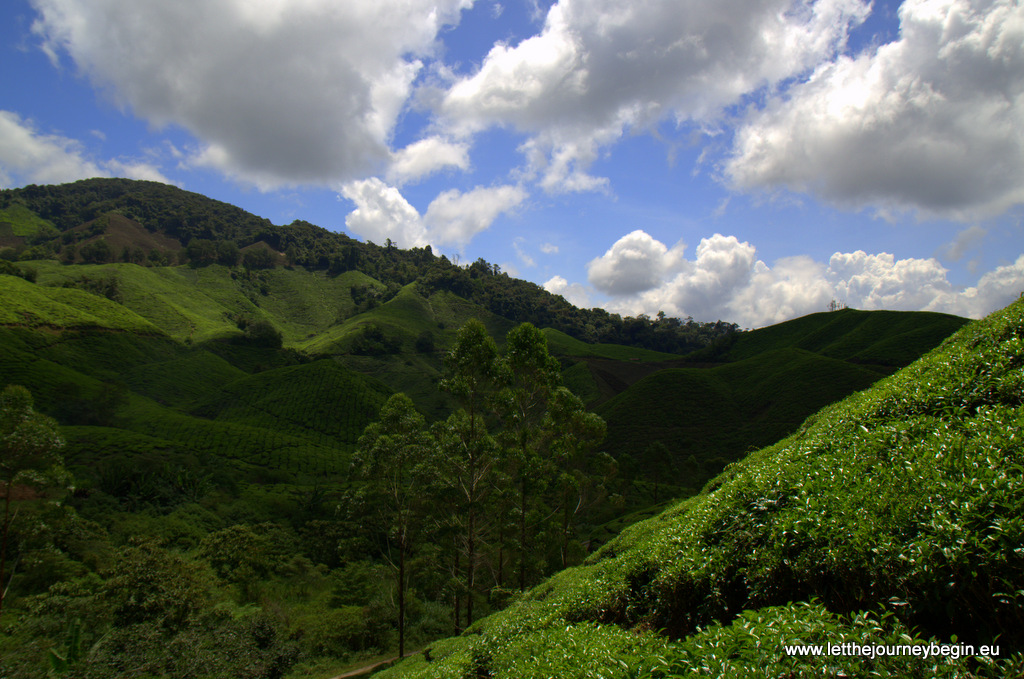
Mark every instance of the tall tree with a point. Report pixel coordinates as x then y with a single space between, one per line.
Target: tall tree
392 456
29 460
474 375
575 434
532 375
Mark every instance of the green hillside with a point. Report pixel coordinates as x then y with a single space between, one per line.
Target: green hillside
564 345
212 374
22 222
892 517
882 338
718 414
153 225
28 305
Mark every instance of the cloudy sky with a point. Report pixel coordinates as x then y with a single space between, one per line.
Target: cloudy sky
743 160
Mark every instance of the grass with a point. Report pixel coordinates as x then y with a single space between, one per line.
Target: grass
892 516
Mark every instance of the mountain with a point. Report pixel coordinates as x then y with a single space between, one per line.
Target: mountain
889 518
212 373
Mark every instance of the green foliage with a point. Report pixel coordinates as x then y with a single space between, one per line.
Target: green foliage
894 511
29 462
25 304
24 222
146 584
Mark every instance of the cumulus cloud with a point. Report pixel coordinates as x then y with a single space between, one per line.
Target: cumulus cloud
425 157
382 212
727 281
599 67
933 121
453 218
574 293
635 263
28 156
279 92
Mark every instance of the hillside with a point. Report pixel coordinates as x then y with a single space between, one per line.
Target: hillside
751 389
212 382
151 224
891 517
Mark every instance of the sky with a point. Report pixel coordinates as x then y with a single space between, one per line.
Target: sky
739 160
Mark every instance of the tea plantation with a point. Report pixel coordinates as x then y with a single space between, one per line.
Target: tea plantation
892 517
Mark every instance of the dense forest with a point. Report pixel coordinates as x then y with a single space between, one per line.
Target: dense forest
235 449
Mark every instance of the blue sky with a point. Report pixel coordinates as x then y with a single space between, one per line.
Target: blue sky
744 160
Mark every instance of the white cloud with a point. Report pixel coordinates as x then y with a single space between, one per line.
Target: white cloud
727 281
574 293
599 67
635 263
453 218
933 121
382 212
425 157
549 249
279 92
28 156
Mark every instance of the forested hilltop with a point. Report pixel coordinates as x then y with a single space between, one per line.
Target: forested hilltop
116 220
233 449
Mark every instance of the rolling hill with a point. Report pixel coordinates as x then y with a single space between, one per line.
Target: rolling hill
204 395
891 517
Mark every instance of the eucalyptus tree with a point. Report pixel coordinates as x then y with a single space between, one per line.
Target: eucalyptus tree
468 452
532 375
393 457
574 435
29 460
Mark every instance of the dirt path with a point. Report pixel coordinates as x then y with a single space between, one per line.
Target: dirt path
360 671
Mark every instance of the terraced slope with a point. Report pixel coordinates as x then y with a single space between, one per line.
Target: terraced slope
718 414
25 304
878 338
892 517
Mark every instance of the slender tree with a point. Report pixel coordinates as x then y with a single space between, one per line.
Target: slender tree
474 375
391 457
575 434
532 375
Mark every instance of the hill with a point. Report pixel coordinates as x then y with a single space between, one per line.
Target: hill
212 374
891 517
749 389
94 221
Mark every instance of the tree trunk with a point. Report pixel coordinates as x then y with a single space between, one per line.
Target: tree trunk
401 599
522 533
457 604
3 544
470 570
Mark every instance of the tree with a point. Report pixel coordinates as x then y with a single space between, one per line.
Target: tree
474 375
575 434
29 460
391 457
532 375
